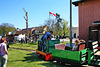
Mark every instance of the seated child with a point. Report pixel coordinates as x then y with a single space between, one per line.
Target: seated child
75 47
52 37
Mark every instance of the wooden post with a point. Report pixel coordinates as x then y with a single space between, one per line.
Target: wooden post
26 21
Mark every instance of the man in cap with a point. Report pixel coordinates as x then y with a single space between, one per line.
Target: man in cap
45 37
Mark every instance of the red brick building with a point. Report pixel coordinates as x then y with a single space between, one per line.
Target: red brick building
89 11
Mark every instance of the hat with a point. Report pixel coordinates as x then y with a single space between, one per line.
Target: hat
51 31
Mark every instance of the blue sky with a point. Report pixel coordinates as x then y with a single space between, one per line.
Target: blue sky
38 11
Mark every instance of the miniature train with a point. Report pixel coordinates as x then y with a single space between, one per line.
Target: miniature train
88 53
57 51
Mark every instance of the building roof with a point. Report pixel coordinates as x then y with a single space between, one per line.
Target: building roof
28 29
35 28
79 1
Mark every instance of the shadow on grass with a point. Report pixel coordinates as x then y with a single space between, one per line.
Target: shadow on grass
14 44
39 60
32 58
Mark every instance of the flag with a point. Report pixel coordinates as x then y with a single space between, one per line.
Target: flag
52 13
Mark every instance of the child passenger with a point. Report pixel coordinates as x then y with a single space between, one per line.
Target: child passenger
52 37
75 47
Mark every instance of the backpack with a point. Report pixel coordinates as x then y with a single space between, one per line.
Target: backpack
1 49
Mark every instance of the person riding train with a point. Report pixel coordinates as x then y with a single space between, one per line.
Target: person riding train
75 47
45 37
77 43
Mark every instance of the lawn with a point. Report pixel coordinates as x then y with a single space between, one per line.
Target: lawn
23 55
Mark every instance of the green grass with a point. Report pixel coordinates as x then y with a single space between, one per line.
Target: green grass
65 42
24 46
23 55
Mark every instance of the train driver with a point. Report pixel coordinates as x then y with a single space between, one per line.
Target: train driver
45 37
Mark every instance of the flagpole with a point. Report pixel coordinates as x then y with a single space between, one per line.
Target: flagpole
49 17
